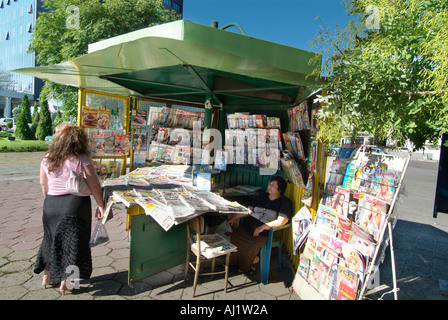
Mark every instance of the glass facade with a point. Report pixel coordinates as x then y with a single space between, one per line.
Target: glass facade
176 5
16 22
17 19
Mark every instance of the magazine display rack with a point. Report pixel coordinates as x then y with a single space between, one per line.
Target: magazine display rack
342 248
104 118
167 132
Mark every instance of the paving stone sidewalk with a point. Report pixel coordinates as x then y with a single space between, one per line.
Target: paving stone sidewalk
420 245
21 235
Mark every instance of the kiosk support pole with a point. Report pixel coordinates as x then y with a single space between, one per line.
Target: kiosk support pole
392 259
208 112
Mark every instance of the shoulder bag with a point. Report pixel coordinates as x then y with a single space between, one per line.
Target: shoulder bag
76 184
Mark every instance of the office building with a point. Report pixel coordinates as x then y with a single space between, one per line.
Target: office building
176 5
17 18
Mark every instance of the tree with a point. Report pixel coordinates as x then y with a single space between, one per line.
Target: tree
23 130
16 112
64 32
26 105
387 71
44 127
35 121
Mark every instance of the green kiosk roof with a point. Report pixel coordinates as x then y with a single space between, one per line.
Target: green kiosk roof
186 61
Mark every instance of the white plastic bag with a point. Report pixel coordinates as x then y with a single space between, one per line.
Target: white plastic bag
99 234
224 230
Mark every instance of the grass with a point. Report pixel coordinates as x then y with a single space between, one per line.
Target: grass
21 145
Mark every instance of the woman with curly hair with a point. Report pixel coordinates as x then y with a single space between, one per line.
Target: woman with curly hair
67 218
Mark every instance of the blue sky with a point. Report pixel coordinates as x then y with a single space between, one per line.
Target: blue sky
288 22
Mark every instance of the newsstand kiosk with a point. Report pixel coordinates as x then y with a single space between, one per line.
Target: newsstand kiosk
241 86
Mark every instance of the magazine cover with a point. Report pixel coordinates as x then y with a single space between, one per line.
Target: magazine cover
364 179
114 168
138 118
348 151
311 243
362 241
383 191
301 222
353 260
221 160
102 169
307 195
372 214
326 220
304 267
89 117
340 201
318 276
116 119
349 177
346 284
109 140
121 144
97 142
103 119
384 185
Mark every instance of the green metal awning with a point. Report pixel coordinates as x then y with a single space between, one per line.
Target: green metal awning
187 61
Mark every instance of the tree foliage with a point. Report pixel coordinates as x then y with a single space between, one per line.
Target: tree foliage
44 127
64 32
387 71
23 131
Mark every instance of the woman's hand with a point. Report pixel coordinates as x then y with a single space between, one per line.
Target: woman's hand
232 220
99 214
260 229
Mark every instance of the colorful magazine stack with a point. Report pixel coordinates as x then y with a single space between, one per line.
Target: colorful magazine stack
298 117
350 220
179 118
293 172
256 147
294 144
244 120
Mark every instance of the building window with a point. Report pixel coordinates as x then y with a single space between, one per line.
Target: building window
2 5
176 6
7 35
167 2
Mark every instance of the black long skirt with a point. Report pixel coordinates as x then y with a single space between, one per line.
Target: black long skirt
67 223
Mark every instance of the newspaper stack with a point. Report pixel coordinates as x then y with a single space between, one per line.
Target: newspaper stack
213 245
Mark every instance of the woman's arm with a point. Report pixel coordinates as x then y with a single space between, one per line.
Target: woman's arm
95 187
43 181
280 221
237 217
